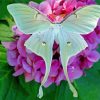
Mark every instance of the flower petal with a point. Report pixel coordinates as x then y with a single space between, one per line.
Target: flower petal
20 45
10 45
33 4
12 57
45 8
54 68
28 77
74 72
26 67
18 72
48 82
94 56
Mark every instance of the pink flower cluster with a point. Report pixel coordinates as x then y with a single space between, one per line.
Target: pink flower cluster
33 67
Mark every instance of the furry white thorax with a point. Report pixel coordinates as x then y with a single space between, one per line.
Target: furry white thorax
56 30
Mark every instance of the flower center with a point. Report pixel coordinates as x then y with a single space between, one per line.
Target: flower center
56 18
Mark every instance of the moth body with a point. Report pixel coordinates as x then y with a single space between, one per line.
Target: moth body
56 28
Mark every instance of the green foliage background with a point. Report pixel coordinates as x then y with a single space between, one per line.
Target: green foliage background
12 88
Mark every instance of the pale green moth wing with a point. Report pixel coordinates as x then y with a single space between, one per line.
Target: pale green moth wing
28 20
82 21
42 44
70 44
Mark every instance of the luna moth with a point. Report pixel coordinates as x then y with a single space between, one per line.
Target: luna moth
44 32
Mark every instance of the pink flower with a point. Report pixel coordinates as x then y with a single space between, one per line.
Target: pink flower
92 40
87 58
33 67
97 30
55 9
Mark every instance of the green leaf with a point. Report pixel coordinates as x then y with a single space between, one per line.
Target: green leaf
5 79
97 1
15 92
5 33
3 56
2 48
27 1
10 88
63 92
4 71
3 8
89 86
32 89
97 66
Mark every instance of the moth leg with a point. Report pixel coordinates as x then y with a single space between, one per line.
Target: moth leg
76 15
36 15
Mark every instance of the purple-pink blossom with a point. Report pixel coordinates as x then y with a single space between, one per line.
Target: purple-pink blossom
32 66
